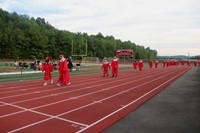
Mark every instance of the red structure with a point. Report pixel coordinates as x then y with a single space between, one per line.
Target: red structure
124 52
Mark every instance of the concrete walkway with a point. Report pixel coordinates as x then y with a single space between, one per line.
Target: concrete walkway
11 73
175 110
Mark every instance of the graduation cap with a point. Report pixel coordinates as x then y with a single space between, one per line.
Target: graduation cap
48 57
62 54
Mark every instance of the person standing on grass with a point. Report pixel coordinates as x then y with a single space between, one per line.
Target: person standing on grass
156 63
114 65
105 67
47 68
150 64
140 65
63 71
135 64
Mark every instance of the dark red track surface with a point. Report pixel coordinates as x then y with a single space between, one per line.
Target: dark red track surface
89 105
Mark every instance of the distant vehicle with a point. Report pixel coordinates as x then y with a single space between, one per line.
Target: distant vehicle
124 52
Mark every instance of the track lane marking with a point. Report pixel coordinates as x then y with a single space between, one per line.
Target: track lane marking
68 112
71 99
62 87
81 95
91 125
28 85
80 78
92 92
40 113
122 92
68 91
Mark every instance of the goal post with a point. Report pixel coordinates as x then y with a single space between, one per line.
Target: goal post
82 55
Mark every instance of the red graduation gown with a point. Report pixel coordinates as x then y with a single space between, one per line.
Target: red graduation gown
135 64
150 64
114 65
140 65
105 67
63 72
47 67
156 64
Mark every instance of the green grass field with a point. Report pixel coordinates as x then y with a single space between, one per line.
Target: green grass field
33 76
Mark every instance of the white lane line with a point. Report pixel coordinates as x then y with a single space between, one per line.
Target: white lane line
100 120
29 85
53 89
53 95
70 90
91 93
12 114
74 81
72 98
22 111
132 88
40 113
57 115
51 117
76 97
18 129
97 101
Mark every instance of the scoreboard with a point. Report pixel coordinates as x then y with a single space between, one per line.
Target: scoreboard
124 52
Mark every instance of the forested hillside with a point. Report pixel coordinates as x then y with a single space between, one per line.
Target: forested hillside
24 37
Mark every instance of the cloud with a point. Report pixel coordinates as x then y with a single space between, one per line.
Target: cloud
159 24
182 51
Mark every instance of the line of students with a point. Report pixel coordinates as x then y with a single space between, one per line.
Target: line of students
139 64
166 63
114 64
64 74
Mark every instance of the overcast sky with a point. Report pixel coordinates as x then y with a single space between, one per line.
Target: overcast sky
172 27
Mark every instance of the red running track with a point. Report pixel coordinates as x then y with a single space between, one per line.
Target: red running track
91 104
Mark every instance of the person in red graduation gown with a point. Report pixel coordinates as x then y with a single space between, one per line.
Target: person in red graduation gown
198 62
195 62
188 63
63 71
182 62
150 64
140 65
114 65
164 63
105 66
47 69
167 63
135 64
156 64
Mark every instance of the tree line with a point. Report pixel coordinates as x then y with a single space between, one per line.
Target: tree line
24 37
